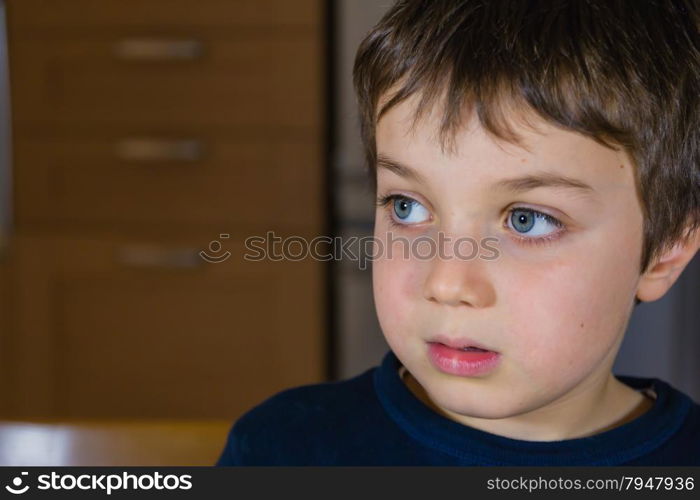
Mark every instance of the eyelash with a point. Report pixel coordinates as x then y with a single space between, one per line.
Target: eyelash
383 201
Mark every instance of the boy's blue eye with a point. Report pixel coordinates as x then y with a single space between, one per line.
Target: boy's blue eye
523 221
529 223
409 210
405 210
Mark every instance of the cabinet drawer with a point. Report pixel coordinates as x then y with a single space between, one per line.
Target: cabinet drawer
181 180
103 333
101 14
253 80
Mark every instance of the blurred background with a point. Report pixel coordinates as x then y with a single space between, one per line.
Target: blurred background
141 142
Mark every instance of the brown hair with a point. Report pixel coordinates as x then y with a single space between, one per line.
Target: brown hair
622 72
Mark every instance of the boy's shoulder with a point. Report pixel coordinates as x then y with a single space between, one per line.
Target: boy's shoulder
301 405
298 419
672 425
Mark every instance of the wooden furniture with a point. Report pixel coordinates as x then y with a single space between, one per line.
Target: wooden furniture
5 328
112 442
145 133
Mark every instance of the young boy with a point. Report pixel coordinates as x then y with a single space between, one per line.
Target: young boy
564 137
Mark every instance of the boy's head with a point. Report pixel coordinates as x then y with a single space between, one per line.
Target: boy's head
567 132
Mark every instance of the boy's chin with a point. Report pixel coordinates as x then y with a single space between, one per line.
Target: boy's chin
454 399
454 408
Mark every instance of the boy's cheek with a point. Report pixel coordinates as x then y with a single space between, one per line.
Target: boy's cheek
568 328
571 300
394 283
396 290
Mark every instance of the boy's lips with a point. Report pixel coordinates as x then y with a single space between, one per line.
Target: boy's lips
459 343
462 362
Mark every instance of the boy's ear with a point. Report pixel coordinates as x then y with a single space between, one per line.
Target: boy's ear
664 272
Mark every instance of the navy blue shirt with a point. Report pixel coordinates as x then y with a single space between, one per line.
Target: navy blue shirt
374 419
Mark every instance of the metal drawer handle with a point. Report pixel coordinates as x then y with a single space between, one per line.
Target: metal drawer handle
137 149
152 256
157 49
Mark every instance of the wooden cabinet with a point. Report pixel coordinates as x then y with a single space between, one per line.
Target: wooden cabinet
155 15
115 327
249 79
142 133
233 182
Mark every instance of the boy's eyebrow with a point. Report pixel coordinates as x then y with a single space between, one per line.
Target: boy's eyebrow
399 169
515 184
543 179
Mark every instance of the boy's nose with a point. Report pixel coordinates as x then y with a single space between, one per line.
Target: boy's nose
455 281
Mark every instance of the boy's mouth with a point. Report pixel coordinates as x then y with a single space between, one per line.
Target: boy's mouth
475 349
462 359
463 344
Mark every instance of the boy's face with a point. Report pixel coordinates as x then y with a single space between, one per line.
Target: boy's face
555 310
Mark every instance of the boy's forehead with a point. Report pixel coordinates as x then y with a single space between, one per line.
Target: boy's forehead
401 124
419 143
546 156
510 111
